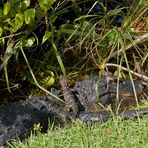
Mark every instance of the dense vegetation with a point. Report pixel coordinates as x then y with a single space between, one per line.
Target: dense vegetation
40 39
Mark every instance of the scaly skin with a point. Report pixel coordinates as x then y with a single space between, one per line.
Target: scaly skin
107 86
91 117
18 119
70 101
104 89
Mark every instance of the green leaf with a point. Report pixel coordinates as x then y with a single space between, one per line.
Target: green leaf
39 13
15 8
46 36
25 4
2 43
6 8
29 42
1 13
49 80
19 19
46 4
1 31
111 35
12 23
132 31
29 15
8 28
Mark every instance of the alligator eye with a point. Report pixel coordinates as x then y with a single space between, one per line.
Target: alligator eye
43 108
46 99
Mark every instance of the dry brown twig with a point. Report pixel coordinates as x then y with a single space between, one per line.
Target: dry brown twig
144 77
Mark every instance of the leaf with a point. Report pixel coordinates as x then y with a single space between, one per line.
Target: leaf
6 8
8 28
111 35
101 65
2 43
40 13
1 13
46 4
29 42
25 4
1 31
46 36
132 31
49 80
19 19
12 23
29 15
37 127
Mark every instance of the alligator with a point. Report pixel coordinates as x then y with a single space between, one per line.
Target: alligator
18 119
103 91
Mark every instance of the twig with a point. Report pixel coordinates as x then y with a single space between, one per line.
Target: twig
145 78
135 42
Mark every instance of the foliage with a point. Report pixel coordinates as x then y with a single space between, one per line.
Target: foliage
19 19
41 37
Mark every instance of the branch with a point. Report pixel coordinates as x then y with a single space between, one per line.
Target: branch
145 78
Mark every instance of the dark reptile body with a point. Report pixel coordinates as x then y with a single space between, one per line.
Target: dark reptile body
18 119
92 117
104 90
70 102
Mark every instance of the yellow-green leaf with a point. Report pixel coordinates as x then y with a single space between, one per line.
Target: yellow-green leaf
1 13
29 42
46 36
19 19
6 8
29 15
1 31
37 127
46 4
25 4
12 23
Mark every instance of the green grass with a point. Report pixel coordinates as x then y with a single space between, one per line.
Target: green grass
112 134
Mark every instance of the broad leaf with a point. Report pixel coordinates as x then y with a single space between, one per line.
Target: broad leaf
25 4
29 15
6 8
19 19
29 42
46 4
